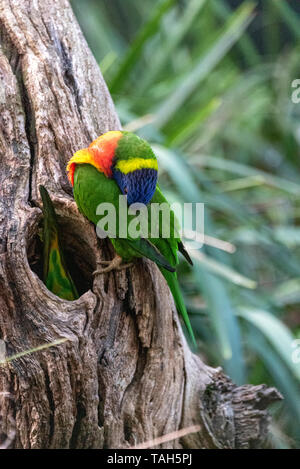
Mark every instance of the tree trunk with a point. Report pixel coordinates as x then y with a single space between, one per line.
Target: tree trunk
125 375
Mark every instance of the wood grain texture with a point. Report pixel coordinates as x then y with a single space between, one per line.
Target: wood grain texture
125 374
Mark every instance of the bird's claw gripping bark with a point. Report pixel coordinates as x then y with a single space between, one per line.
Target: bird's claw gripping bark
114 264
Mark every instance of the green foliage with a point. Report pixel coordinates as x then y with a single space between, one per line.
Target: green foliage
215 102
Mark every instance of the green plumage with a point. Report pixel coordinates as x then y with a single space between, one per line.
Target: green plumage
130 146
91 187
55 273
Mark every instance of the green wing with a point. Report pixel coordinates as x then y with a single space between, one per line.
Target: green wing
92 188
55 273
146 249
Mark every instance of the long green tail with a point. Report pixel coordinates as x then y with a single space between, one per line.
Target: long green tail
55 273
172 281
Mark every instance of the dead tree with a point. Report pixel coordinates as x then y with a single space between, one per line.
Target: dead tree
125 374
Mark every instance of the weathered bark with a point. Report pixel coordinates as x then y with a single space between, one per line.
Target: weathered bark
125 375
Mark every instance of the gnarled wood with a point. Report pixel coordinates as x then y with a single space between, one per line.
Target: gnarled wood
125 374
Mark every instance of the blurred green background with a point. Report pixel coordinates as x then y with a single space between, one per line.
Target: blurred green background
209 84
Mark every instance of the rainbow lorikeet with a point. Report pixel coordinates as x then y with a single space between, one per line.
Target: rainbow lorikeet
117 163
55 272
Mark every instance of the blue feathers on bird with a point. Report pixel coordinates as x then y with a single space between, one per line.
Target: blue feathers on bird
139 184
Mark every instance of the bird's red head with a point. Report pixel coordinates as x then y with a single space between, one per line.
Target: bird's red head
100 154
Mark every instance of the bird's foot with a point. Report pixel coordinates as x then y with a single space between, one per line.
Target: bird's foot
114 264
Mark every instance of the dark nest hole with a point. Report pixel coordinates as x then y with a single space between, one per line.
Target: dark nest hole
79 255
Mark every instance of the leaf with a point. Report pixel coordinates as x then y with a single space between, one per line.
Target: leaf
189 127
224 323
275 332
244 170
223 270
176 167
288 235
232 31
136 49
287 293
33 350
290 16
277 368
246 44
174 37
